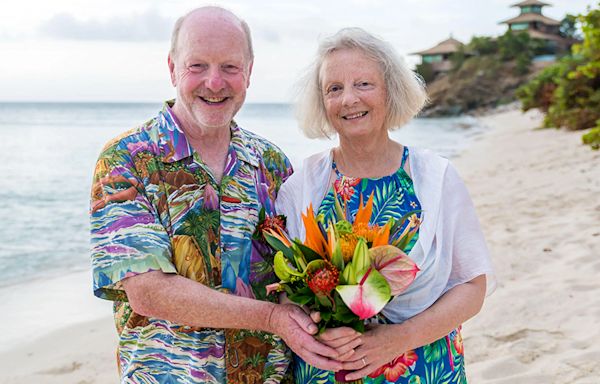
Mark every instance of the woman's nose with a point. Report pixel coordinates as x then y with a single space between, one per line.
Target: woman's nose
350 97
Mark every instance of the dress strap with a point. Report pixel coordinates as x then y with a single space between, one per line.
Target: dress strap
404 156
336 169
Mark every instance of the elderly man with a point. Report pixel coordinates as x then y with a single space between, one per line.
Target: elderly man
174 204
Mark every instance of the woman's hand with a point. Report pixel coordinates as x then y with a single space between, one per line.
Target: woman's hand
380 345
343 339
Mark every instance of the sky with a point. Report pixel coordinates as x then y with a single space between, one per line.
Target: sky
116 50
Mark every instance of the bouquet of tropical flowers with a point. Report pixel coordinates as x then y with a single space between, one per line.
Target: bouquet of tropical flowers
346 269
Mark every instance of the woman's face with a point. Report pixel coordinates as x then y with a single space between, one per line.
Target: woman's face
354 93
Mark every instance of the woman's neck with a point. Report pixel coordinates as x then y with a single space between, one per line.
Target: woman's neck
368 158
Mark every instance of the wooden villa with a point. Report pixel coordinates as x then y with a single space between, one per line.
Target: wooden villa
439 56
538 26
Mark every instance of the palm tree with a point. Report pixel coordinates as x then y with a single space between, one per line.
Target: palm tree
273 158
195 227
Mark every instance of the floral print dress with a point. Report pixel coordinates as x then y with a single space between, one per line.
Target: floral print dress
439 362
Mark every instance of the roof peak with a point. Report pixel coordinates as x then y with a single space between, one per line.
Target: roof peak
446 46
530 2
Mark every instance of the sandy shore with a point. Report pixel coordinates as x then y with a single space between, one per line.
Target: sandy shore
537 194
56 331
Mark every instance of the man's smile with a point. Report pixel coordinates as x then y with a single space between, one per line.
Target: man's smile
213 100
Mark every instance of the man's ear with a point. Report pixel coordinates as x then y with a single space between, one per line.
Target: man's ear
172 70
249 73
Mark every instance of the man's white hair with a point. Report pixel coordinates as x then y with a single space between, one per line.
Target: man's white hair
179 23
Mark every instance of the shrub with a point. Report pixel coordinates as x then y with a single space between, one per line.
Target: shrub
426 72
569 91
592 138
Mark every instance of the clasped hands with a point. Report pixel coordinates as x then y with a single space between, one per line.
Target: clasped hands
336 348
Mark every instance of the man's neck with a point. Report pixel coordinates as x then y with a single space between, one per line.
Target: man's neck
211 143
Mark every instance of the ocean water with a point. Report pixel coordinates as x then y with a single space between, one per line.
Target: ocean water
47 157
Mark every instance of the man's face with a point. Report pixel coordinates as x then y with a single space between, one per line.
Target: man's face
211 72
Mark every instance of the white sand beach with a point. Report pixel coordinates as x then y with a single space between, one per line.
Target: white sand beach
537 193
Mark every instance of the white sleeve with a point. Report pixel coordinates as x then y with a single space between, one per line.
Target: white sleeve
463 235
287 204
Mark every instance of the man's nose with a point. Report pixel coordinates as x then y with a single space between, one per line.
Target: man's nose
214 80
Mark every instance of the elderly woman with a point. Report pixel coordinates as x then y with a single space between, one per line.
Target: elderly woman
360 89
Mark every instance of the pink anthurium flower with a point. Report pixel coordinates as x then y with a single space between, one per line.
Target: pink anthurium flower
397 269
369 296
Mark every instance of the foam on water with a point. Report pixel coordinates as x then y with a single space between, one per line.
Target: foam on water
48 153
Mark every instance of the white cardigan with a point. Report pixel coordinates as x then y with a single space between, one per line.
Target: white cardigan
450 250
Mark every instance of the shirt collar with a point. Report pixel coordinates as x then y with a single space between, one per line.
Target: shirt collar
175 146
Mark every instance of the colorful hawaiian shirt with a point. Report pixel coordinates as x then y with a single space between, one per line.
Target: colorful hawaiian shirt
155 205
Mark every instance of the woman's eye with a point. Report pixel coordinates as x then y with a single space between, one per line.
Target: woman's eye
364 84
334 89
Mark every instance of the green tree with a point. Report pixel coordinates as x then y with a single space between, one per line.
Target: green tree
458 58
574 83
482 45
568 28
426 72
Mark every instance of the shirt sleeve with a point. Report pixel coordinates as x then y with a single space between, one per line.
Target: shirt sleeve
464 236
127 237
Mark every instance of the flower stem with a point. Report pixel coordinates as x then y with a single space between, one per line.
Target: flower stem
340 378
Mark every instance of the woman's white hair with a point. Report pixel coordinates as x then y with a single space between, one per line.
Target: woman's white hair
405 90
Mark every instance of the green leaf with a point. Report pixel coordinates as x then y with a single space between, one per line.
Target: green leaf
308 253
401 220
345 317
324 301
434 351
359 327
326 315
279 246
385 203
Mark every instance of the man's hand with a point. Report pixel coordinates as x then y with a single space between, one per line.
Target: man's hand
296 328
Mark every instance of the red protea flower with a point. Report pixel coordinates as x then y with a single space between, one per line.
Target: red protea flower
323 280
271 222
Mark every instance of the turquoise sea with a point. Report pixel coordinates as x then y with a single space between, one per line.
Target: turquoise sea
48 152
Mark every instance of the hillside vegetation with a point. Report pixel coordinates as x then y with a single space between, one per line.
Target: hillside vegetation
569 91
487 71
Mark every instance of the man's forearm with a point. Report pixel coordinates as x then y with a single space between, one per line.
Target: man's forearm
181 300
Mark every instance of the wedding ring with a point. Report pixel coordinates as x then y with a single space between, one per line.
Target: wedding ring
364 363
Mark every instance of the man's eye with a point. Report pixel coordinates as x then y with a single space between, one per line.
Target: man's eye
197 67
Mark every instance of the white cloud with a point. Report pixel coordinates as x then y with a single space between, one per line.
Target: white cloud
148 26
80 50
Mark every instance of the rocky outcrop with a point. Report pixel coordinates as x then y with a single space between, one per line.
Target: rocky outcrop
477 87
